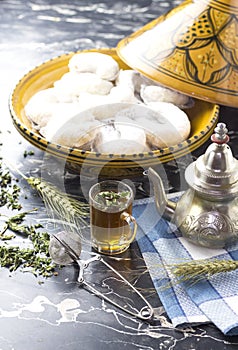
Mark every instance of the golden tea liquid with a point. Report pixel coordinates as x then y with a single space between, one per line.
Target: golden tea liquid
110 233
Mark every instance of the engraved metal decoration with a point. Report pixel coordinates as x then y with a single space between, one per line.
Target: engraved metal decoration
207 213
208 226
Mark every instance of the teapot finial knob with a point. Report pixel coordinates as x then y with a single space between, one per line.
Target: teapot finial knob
220 137
216 171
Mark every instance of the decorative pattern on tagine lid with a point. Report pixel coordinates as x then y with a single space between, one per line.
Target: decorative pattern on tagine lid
193 49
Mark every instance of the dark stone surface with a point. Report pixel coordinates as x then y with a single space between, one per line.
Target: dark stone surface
58 313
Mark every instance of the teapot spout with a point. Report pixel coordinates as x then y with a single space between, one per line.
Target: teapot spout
165 207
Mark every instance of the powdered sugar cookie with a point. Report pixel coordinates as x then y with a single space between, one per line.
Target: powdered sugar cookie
72 84
164 123
156 93
104 66
41 107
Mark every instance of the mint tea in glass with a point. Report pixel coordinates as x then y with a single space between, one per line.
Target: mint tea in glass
112 225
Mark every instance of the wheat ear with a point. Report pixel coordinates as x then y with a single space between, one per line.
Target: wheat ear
203 268
72 212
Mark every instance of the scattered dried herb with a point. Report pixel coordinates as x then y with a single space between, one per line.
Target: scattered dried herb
28 153
9 192
36 259
13 223
10 197
5 177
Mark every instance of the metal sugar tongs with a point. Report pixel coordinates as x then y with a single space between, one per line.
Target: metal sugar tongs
146 313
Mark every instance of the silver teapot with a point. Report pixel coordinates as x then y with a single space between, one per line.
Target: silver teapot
207 212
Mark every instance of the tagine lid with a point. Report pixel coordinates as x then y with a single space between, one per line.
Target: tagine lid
216 171
192 49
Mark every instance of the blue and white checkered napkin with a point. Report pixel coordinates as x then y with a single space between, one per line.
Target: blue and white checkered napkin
214 300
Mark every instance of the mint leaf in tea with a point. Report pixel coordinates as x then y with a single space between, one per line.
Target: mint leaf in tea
111 198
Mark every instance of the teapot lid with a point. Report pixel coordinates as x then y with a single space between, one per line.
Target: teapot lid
216 171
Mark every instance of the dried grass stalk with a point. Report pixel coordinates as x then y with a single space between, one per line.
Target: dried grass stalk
202 268
72 212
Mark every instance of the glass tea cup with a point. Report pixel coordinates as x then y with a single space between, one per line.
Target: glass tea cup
112 225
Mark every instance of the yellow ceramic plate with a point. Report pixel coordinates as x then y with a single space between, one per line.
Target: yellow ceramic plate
203 116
